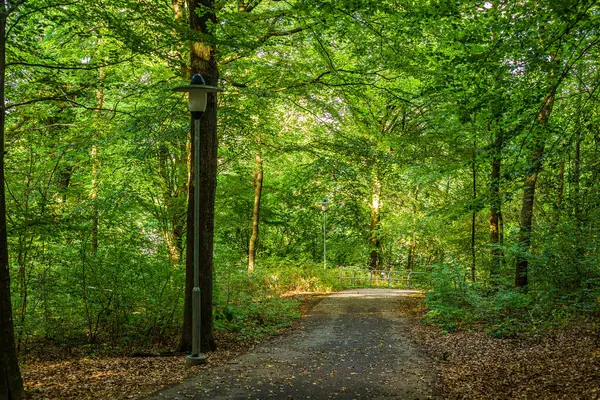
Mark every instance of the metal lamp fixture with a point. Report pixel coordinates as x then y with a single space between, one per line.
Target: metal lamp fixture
324 205
197 97
197 90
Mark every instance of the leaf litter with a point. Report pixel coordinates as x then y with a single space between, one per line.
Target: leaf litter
562 364
126 377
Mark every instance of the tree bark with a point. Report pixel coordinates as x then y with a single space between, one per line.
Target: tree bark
474 211
535 166
202 62
258 183
11 384
577 178
95 165
413 243
175 186
495 205
374 241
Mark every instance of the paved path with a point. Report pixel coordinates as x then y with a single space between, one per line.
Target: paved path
354 345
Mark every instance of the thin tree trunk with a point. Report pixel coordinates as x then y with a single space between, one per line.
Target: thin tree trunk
535 166
580 249
474 211
174 187
495 205
258 183
11 384
203 62
94 198
577 170
95 165
413 243
178 14
174 229
374 240
577 178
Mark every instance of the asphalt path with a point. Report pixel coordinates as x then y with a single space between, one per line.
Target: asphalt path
354 345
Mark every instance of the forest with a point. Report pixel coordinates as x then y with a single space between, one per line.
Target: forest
459 140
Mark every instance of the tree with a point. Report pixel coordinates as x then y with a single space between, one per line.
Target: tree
11 385
258 185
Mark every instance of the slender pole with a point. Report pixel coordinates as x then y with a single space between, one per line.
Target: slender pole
196 320
324 240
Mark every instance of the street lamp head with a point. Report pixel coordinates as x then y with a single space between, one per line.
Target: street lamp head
324 205
197 90
198 79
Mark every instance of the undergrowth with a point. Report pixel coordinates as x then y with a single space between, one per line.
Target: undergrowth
502 310
254 305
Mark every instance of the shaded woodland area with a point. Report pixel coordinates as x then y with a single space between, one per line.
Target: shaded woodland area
460 139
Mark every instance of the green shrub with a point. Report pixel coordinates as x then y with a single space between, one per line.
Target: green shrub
504 311
255 305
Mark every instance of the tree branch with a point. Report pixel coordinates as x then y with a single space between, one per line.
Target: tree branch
86 67
261 40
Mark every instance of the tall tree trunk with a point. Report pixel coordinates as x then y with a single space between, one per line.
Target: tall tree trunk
495 204
535 166
173 187
258 183
175 227
577 170
413 243
11 384
95 164
577 200
374 240
577 178
474 211
202 62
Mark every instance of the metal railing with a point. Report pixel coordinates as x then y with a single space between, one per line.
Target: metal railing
376 277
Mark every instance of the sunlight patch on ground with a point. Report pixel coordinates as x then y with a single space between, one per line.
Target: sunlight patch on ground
376 293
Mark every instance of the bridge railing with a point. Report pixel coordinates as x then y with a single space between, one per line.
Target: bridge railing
381 278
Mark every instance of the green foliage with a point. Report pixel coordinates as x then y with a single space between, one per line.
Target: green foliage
389 110
503 312
254 317
264 302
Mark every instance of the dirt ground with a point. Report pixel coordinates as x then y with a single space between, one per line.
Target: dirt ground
354 344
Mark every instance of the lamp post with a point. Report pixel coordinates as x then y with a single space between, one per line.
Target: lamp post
197 94
324 207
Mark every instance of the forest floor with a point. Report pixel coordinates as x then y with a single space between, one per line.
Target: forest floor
560 364
64 375
563 364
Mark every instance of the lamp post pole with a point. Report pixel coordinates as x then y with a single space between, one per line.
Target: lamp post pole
324 206
196 357
197 98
